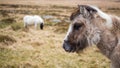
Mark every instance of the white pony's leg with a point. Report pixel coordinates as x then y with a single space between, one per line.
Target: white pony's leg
35 25
25 25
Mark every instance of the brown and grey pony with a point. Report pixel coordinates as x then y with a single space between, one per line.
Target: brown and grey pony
91 26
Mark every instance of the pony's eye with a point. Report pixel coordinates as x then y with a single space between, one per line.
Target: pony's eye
77 26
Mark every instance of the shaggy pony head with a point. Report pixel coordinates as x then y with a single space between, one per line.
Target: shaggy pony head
83 30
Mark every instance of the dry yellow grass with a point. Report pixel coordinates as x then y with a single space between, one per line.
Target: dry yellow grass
43 48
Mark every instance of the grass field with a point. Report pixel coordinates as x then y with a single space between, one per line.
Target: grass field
21 48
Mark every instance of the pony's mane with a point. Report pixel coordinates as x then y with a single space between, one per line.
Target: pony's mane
111 20
116 24
104 16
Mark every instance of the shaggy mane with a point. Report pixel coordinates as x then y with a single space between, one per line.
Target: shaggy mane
104 16
116 24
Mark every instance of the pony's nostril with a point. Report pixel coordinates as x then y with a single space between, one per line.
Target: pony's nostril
67 47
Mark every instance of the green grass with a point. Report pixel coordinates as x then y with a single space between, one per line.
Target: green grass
17 26
6 22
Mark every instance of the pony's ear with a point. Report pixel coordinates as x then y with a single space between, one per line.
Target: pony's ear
87 10
84 10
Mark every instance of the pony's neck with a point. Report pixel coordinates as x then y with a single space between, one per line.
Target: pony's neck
109 39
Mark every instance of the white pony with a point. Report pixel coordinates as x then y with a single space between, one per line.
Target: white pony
30 20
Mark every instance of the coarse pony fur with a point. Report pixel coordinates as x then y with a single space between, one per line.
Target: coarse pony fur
91 26
30 20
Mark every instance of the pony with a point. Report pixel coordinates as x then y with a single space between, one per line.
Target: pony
30 20
91 26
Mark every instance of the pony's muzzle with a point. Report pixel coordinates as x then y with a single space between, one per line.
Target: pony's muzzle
41 26
67 47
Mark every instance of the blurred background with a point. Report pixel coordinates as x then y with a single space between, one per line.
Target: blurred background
21 48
